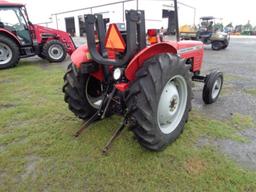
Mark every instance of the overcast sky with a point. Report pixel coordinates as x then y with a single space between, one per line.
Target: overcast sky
238 12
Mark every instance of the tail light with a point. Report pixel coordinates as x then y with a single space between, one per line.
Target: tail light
152 32
153 36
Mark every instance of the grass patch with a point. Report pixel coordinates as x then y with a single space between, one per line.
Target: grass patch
231 77
251 92
39 153
240 121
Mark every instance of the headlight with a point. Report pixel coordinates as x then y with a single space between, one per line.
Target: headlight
117 73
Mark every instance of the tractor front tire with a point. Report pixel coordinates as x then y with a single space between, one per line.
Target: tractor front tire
54 51
217 45
160 100
79 92
212 87
9 53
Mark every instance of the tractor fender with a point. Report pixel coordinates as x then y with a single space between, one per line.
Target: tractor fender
10 35
80 56
147 53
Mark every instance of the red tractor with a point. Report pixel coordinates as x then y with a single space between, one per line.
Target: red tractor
147 83
19 38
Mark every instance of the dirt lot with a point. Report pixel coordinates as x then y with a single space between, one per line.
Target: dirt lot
216 152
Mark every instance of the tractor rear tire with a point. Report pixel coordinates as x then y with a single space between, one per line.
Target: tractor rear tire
79 90
9 53
54 51
160 100
212 87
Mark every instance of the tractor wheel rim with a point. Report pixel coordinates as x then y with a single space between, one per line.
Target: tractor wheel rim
5 54
94 101
216 88
172 104
56 52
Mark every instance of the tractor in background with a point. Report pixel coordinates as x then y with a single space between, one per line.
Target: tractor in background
148 83
19 38
209 32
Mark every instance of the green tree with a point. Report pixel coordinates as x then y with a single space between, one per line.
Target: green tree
247 29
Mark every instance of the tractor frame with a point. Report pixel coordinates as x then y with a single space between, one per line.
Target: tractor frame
149 84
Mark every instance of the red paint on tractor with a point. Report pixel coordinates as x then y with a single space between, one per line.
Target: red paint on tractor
196 53
98 74
81 55
10 4
173 47
64 37
122 86
145 54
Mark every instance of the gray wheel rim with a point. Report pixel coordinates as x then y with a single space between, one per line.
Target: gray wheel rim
216 88
95 102
172 104
5 54
56 52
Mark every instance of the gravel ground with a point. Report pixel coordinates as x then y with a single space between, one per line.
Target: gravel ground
239 67
238 63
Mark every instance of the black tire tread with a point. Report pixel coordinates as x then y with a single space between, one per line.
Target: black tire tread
15 51
141 99
207 90
74 93
46 47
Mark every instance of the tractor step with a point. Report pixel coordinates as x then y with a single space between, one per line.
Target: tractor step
27 52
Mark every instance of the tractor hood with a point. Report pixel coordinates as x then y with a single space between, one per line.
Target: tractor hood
46 34
48 31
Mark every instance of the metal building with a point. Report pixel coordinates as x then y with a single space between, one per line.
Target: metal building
73 21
